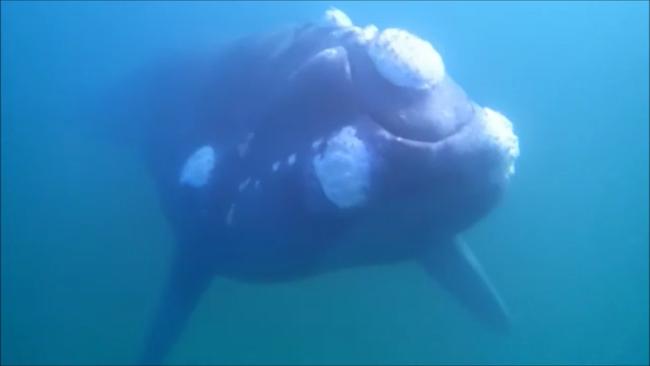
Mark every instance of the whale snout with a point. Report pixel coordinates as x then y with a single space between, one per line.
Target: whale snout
417 130
425 120
401 80
469 168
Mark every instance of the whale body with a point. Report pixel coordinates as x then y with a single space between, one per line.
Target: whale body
315 148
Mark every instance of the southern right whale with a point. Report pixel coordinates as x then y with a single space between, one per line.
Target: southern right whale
318 147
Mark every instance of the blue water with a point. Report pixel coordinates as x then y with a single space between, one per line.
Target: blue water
85 245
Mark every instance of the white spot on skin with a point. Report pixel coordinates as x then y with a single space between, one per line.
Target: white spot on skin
329 53
369 32
291 159
198 167
406 60
244 184
336 17
316 144
275 166
499 131
230 215
343 170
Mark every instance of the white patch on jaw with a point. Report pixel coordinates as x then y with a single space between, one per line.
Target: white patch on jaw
244 184
336 17
406 60
291 159
343 169
198 168
499 131
275 166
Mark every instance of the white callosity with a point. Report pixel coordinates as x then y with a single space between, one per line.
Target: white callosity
316 144
275 166
346 28
198 168
343 169
368 33
291 159
360 35
336 17
406 60
498 129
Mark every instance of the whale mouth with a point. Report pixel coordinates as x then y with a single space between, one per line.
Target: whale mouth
439 116
487 137
431 126
406 142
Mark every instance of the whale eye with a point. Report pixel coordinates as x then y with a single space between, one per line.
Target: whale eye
343 169
198 168
406 60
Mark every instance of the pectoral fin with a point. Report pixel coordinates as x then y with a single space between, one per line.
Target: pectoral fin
189 276
452 264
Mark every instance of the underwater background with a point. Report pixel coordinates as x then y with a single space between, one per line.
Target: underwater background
85 245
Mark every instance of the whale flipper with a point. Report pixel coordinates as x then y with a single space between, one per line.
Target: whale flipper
455 268
188 278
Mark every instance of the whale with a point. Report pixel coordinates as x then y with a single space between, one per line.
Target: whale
318 147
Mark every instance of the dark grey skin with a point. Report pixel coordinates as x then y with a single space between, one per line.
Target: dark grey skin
428 181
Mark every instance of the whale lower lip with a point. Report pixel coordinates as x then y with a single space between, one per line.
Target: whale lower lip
419 137
409 143
393 145
427 116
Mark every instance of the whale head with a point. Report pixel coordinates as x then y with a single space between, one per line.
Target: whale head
420 134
